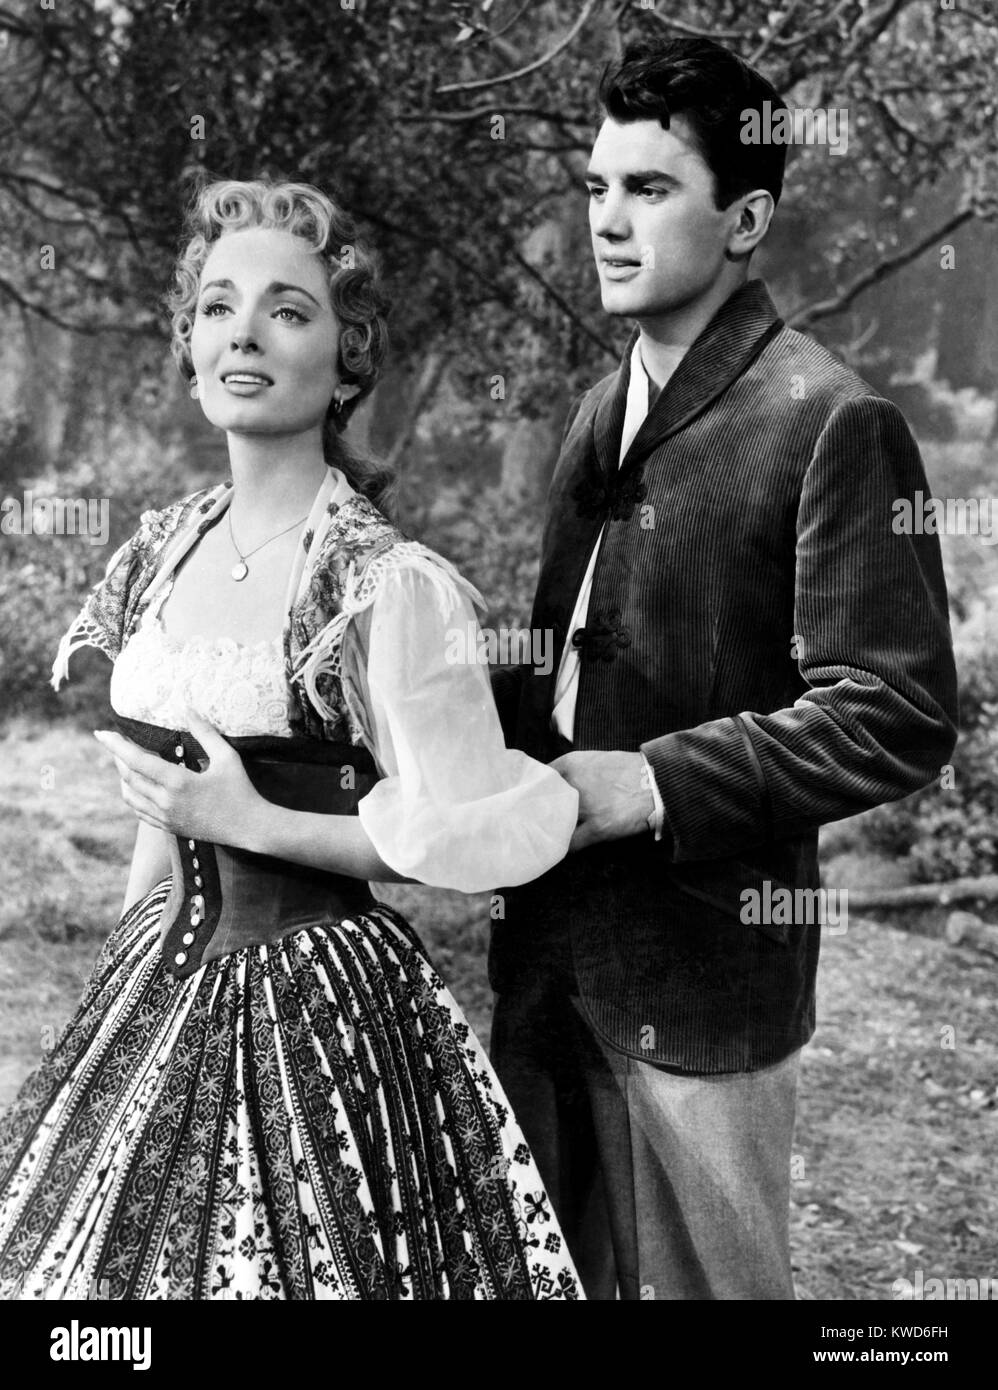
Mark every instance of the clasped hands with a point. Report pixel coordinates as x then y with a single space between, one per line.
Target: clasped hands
615 798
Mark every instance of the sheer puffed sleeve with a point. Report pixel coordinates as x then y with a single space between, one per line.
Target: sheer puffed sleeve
455 808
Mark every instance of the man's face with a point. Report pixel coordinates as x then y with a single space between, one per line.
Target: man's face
658 238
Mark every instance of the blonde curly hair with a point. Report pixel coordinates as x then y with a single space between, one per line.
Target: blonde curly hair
231 205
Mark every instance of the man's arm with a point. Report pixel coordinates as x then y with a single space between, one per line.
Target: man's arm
879 717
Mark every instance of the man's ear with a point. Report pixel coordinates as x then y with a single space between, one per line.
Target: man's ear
755 212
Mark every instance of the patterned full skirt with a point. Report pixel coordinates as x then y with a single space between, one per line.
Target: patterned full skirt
308 1119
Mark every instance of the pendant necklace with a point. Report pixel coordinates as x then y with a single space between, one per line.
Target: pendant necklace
240 570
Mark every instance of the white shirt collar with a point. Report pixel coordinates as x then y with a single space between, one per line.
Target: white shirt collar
638 392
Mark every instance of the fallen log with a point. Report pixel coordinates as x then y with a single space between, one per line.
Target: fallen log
926 894
964 929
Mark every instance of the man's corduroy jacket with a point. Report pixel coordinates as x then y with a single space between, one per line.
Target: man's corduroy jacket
777 650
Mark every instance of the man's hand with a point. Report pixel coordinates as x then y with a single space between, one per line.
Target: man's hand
615 799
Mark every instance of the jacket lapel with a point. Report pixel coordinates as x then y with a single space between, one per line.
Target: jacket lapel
735 335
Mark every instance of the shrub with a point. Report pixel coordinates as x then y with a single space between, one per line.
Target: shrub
950 828
493 536
45 578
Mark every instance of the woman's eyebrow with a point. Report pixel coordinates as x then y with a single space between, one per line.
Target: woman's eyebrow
276 287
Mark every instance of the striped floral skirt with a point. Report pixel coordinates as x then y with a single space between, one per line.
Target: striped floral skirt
310 1119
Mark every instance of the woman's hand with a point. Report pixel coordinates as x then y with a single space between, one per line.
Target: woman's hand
615 796
218 804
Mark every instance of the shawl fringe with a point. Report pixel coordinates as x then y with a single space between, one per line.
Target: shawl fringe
322 658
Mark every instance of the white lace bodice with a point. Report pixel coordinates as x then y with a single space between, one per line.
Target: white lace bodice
240 689
454 807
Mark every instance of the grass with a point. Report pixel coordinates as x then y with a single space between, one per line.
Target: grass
897 1120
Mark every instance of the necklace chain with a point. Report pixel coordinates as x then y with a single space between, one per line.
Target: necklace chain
241 570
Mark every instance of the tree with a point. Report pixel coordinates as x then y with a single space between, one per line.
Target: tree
458 137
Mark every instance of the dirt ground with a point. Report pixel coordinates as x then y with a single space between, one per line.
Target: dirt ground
894 1160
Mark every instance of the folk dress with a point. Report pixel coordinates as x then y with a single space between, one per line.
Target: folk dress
307 1116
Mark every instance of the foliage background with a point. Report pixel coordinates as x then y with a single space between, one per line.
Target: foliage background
111 110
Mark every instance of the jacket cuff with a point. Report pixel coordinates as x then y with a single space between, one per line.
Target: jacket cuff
714 799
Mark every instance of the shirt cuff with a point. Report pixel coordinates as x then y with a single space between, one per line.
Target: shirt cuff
656 820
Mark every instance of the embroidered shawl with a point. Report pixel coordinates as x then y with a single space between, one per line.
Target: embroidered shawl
347 549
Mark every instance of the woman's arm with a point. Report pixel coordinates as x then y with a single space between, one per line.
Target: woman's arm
338 844
150 864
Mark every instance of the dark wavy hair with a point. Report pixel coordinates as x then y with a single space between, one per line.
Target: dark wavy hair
231 205
710 87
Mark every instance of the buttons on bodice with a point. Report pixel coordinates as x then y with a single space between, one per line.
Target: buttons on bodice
197 899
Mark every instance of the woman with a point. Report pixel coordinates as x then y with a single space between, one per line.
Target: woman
267 1092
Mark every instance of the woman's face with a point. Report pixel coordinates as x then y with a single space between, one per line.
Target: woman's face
265 341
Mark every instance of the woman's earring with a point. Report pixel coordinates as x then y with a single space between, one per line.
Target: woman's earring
337 405
194 388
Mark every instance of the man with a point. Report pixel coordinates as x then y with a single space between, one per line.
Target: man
744 650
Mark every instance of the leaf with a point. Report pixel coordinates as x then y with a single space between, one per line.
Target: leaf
908 1247
465 32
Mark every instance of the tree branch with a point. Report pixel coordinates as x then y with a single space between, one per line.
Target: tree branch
870 30
564 306
30 307
795 40
573 147
774 33
977 18
425 390
880 104
410 234
14 24
21 198
825 308
541 62
478 112
694 30
493 34
379 220
13 175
